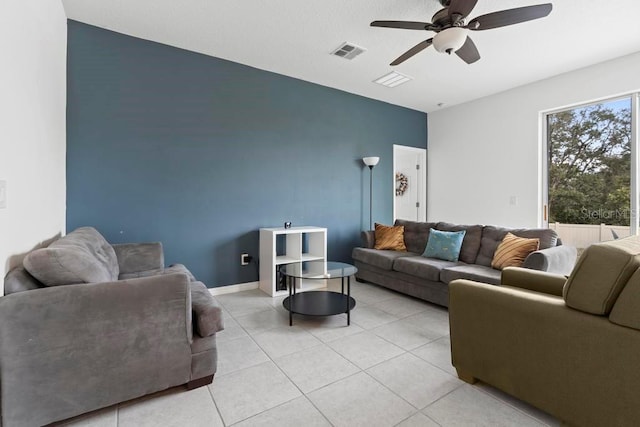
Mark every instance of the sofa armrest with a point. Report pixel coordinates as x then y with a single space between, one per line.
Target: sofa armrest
135 257
73 348
207 314
368 239
539 281
559 259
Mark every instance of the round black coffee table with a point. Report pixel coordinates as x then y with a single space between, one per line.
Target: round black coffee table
318 303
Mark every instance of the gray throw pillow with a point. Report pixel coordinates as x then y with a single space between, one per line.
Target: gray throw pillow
82 256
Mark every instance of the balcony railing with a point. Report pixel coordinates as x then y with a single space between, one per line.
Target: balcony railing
583 235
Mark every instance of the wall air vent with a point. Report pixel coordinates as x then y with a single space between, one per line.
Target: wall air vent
348 51
392 79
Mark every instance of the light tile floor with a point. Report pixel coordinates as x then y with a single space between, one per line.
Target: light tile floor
391 367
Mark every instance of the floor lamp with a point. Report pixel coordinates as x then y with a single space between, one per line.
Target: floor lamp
371 162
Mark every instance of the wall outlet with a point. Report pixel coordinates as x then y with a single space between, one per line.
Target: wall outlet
245 259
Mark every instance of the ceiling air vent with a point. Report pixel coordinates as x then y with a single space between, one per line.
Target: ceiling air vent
348 51
392 79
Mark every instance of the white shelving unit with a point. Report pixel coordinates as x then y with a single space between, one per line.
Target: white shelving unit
298 245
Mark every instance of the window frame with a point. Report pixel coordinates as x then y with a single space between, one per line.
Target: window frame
635 156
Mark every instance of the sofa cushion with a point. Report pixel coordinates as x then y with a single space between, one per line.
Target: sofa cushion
389 237
478 273
444 245
416 234
471 242
600 274
82 256
492 236
379 258
513 250
425 268
133 257
207 314
172 269
19 280
626 310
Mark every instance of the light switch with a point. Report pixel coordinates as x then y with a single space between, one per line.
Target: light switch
3 194
513 200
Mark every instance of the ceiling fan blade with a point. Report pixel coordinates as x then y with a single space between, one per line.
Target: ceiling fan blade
461 7
468 52
509 17
403 25
408 54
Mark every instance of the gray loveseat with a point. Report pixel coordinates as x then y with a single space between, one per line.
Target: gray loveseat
85 325
428 278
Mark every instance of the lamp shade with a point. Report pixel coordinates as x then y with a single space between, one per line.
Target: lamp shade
371 161
450 40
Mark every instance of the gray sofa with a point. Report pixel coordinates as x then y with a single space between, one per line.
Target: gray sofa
85 325
428 278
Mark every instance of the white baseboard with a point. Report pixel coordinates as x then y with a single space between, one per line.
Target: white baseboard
234 288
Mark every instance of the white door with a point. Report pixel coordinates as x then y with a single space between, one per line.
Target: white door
410 183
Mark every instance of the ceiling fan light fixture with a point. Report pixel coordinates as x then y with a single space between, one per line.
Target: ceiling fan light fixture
451 31
450 40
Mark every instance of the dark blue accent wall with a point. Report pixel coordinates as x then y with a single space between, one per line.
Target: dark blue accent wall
169 145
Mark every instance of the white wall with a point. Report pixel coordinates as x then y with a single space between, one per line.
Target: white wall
33 44
484 152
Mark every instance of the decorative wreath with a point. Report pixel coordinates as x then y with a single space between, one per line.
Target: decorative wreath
402 183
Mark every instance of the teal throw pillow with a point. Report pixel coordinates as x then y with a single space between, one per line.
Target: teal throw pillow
444 245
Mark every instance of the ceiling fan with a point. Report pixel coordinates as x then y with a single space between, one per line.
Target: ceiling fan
451 30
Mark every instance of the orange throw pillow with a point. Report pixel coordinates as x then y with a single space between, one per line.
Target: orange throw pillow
390 237
513 250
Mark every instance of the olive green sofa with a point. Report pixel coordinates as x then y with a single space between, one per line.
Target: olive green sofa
567 346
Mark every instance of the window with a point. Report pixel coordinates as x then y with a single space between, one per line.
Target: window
591 171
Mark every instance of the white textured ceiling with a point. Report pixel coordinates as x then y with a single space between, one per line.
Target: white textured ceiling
295 38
